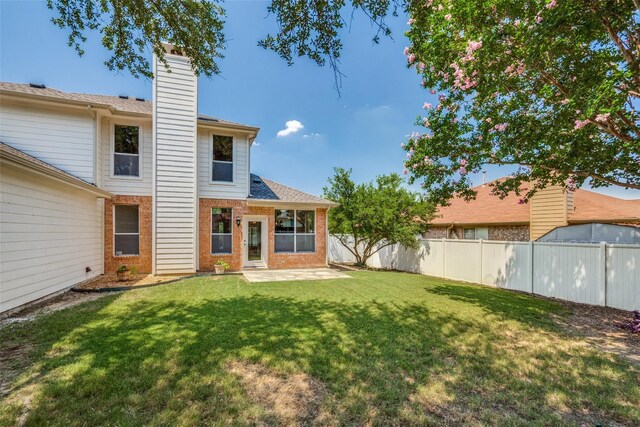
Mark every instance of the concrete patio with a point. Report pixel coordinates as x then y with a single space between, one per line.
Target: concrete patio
255 276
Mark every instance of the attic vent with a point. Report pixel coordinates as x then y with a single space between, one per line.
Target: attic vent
256 180
37 85
123 97
139 99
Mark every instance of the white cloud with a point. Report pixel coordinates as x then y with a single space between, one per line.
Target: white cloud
292 126
311 135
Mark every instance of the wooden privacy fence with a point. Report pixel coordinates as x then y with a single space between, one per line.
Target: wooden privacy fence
600 274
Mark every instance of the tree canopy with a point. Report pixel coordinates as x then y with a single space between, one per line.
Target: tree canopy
550 85
374 215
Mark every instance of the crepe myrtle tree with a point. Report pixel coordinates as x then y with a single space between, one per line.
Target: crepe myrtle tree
374 215
549 85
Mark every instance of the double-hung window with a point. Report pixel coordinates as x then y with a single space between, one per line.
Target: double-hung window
221 230
126 150
295 231
126 228
222 161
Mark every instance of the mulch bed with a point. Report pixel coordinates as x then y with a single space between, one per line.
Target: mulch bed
599 326
111 282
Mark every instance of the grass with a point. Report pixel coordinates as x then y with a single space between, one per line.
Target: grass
381 348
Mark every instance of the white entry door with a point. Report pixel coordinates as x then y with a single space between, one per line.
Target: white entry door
255 241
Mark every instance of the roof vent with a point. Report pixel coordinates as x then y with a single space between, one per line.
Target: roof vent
123 97
139 99
37 85
256 180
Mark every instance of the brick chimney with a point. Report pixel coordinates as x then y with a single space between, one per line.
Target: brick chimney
175 111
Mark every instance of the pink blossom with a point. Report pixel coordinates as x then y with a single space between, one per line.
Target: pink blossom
402 145
488 120
427 106
425 122
432 91
463 170
509 69
516 22
500 127
405 171
479 137
447 17
521 201
411 58
406 51
601 118
581 123
564 101
538 19
420 66
440 7
463 162
411 21
408 155
441 98
551 4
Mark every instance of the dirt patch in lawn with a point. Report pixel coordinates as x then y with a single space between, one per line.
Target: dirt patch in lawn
59 302
289 399
598 325
110 281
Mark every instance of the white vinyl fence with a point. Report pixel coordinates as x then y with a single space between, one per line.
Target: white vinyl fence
599 274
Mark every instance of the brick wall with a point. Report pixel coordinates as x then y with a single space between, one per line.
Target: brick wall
275 260
207 259
498 232
141 262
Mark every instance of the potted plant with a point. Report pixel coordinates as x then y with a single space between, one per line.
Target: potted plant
123 273
220 266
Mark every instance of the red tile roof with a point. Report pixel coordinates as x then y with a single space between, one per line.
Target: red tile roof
489 209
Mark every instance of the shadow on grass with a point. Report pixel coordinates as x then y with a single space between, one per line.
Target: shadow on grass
165 362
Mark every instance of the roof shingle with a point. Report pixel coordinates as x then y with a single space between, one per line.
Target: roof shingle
267 190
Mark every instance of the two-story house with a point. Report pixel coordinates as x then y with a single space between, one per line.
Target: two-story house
92 182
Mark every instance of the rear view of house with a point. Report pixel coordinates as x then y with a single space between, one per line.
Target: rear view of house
92 182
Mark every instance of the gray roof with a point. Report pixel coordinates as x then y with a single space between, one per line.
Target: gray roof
125 105
267 190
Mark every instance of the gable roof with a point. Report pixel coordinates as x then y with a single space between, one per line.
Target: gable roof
265 190
26 161
490 209
116 104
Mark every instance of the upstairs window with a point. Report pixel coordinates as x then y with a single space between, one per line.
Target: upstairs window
126 150
221 230
222 162
126 228
295 231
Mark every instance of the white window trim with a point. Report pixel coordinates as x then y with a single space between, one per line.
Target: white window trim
112 151
113 215
234 155
294 234
219 234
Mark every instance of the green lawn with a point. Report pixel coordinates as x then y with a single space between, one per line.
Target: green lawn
381 348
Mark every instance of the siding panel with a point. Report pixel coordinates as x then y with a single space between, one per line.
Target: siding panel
49 234
62 138
175 128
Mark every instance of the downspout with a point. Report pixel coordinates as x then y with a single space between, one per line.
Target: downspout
449 228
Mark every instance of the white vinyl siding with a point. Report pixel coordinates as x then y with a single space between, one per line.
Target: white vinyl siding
175 198
129 186
61 137
49 233
239 188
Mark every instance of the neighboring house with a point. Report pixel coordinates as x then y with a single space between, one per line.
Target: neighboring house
92 182
490 218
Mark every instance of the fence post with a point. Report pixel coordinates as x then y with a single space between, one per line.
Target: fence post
444 258
603 271
480 269
531 261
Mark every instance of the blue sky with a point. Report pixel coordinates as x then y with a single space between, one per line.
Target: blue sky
361 130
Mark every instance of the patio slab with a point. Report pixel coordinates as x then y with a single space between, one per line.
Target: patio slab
256 276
